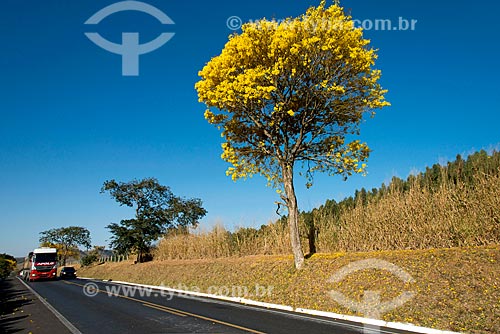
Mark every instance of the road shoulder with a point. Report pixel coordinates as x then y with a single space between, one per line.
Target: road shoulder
22 312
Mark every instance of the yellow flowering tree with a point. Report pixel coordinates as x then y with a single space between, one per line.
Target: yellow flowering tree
293 92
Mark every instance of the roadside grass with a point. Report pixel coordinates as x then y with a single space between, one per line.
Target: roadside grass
451 215
455 288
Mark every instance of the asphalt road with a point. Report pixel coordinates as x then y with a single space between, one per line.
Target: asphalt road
105 313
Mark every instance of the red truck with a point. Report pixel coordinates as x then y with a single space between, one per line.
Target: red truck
40 264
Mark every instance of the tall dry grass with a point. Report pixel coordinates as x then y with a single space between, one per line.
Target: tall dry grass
271 239
419 218
451 216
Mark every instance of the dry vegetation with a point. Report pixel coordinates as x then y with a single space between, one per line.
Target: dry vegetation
446 236
456 289
273 239
453 215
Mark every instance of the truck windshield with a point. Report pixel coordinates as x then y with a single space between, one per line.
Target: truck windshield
45 257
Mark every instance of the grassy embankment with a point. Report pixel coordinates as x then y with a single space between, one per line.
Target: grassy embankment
447 238
419 217
456 289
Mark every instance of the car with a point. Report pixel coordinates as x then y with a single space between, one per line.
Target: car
67 272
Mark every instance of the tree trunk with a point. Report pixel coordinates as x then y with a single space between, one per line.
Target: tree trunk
293 216
139 256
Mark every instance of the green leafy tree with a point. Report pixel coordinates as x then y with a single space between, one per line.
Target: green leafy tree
66 239
63 251
157 210
293 92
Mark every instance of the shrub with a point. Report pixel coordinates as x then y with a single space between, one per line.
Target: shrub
87 260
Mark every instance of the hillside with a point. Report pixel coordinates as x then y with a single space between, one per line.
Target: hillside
440 226
454 205
456 289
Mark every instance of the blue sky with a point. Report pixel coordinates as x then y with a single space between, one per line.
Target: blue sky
70 120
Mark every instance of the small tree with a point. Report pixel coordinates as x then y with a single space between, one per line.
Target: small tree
156 211
68 238
92 256
293 92
63 252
